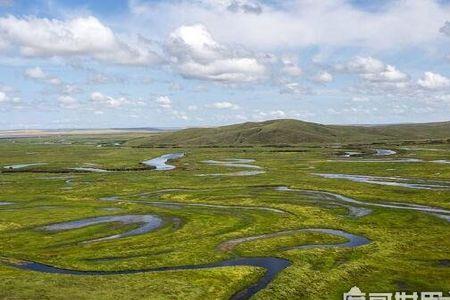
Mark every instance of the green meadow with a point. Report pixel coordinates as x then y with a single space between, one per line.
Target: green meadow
408 250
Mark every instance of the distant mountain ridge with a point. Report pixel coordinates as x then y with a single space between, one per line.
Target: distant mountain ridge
289 131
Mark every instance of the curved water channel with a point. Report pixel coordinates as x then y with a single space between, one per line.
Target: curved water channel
90 169
333 197
272 265
160 163
23 166
244 163
180 204
384 152
387 152
390 181
353 240
327 198
146 224
378 152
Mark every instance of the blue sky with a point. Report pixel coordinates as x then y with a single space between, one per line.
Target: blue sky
99 64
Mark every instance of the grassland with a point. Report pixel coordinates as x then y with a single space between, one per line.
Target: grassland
408 250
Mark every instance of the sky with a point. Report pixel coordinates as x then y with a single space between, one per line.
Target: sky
136 63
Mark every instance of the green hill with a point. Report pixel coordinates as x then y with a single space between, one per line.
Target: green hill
277 132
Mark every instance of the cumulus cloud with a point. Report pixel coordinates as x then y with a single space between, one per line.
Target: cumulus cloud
389 74
244 6
362 65
277 114
433 81
3 97
293 88
164 102
290 66
301 23
195 54
68 102
108 101
224 105
375 72
180 115
37 73
323 77
81 36
9 95
69 89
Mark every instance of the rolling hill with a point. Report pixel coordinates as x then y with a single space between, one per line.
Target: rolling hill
288 131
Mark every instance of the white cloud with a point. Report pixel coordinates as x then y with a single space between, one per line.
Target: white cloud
54 81
301 23
81 36
164 102
244 6
195 54
290 66
180 115
323 77
68 102
362 65
224 105
3 97
100 78
389 74
360 99
107 101
69 89
433 81
293 88
278 114
235 6
377 76
35 73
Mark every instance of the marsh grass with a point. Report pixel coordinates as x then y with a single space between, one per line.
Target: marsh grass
404 252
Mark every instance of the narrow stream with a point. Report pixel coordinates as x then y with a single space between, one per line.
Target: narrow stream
328 196
180 204
384 152
23 166
244 163
272 265
146 224
160 163
391 181
90 169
